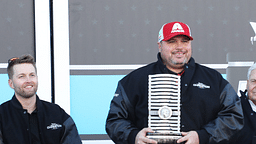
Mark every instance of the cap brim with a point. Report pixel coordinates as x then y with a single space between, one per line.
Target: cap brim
174 35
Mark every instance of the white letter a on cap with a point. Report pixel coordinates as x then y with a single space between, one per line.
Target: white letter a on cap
177 28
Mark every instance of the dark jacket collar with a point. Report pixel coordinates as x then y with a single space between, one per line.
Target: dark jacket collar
247 109
163 68
17 104
188 74
160 63
245 101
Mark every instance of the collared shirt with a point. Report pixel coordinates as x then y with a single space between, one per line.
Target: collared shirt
34 130
251 103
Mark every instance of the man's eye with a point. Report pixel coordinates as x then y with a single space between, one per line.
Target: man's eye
171 41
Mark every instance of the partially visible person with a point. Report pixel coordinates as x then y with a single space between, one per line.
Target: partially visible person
211 111
25 119
248 99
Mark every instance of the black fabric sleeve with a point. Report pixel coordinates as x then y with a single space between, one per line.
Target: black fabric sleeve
70 134
1 137
119 126
229 119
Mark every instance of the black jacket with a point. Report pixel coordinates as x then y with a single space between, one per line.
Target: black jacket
55 125
214 112
248 134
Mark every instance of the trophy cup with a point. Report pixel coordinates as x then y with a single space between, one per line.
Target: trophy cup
164 108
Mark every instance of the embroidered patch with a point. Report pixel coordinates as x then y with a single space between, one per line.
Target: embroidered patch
177 28
201 85
54 126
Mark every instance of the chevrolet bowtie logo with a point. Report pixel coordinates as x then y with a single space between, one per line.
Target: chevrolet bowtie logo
201 85
253 24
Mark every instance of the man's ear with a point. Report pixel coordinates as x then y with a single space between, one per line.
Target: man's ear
10 83
247 84
159 46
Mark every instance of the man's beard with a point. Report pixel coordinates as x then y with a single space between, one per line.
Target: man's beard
24 94
179 63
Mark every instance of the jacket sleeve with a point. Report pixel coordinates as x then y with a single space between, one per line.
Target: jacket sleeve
1 137
119 125
70 133
228 121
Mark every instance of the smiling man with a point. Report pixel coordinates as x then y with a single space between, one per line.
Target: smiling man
248 99
210 108
25 119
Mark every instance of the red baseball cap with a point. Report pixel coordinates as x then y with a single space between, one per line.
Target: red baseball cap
173 29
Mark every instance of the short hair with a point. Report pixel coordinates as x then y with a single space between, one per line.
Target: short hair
253 67
19 60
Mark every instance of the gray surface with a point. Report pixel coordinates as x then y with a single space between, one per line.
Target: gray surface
125 32
16 28
237 73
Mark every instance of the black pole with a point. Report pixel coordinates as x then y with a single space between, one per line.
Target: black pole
52 51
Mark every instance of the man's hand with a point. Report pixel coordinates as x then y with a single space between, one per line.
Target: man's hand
142 139
190 137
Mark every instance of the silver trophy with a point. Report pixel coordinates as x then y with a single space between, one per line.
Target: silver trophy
164 107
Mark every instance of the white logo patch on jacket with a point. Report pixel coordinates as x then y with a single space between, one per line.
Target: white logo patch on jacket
201 85
54 126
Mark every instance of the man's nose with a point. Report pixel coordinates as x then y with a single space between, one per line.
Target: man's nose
179 44
28 79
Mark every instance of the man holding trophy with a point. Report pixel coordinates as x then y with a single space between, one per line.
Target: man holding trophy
175 99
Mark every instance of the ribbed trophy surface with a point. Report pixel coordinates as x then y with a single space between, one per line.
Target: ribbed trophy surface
164 107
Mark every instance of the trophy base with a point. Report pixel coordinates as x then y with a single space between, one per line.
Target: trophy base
164 138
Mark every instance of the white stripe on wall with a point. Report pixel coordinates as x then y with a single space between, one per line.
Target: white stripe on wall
240 64
3 65
135 66
97 142
105 67
129 67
